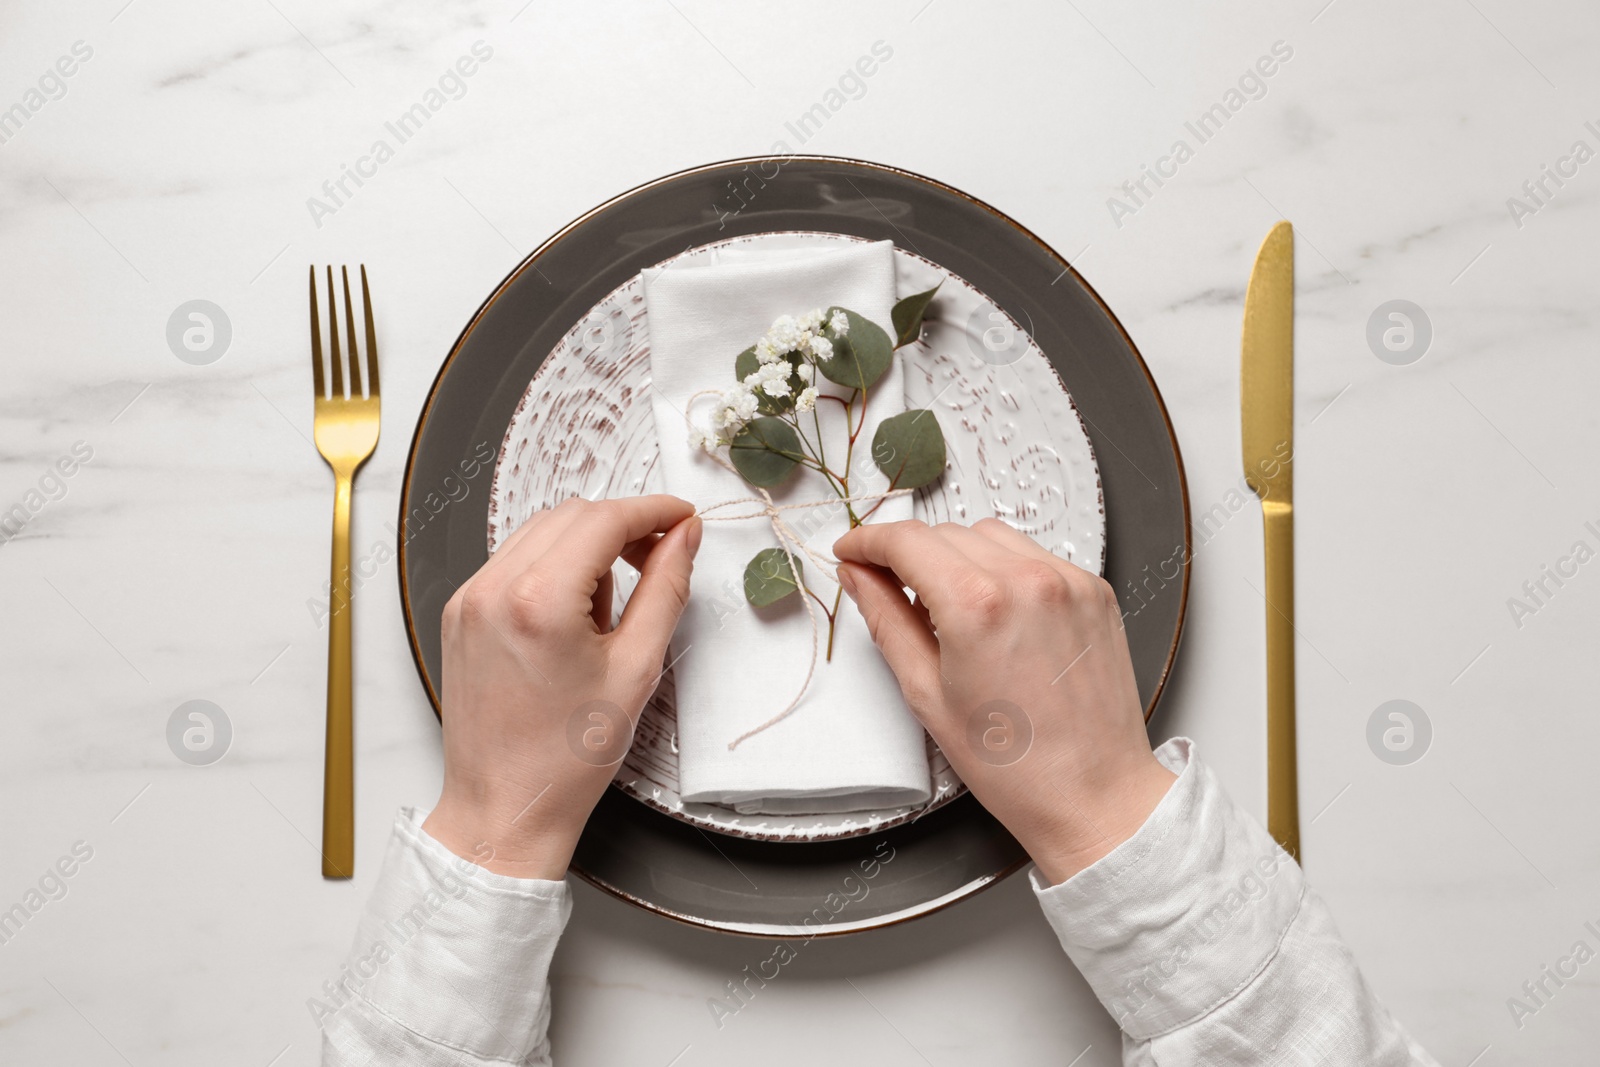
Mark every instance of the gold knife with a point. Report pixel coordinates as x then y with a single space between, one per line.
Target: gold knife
1266 395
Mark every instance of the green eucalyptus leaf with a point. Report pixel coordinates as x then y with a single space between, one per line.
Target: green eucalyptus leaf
768 578
765 451
909 449
861 357
907 316
746 363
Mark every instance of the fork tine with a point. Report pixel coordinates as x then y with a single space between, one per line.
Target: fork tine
372 337
333 341
350 331
316 339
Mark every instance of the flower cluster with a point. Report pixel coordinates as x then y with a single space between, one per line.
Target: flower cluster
784 376
806 335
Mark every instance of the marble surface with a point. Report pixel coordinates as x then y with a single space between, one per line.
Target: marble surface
183 560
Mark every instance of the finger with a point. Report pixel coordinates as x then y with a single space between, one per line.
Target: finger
661 595
926 561
902 632
1008 536
984 551
636 553
527 527
1085 585
600 603
533 538
601 530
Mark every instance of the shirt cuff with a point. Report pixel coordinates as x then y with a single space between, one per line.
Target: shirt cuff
454 953
1182 915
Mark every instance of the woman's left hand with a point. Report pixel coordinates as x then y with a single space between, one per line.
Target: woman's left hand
540 693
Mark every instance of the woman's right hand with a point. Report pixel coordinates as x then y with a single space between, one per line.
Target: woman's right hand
1017 663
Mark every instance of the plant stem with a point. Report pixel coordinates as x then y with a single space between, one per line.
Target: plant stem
822 454
849 454
833 620
833 616
815 462
842 489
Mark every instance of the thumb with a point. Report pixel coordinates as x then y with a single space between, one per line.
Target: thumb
662 593
900 631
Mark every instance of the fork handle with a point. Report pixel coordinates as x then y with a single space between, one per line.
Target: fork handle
338 771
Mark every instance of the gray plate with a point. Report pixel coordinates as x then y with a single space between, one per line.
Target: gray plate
779 889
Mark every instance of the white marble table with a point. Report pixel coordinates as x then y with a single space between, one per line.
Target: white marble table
181 561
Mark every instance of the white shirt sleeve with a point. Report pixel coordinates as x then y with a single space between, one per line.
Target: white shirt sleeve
449 966
1202 939
1198 934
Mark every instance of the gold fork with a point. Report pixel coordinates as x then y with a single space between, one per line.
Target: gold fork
346 429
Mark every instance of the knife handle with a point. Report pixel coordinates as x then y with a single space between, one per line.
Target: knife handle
1283 791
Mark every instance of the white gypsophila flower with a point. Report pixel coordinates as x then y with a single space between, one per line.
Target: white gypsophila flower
822 348
747 405
812 320
807 399
806 372
784 335
702 439
765 353
736 406
774 378
839 324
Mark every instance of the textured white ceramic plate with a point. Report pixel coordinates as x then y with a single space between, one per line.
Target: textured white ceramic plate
1018 451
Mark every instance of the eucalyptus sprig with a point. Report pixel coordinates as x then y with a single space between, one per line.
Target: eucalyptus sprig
762 420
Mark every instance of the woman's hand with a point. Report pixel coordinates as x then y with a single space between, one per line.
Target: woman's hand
1016 662
540 694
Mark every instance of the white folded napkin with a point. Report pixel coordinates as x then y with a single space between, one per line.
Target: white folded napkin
851 745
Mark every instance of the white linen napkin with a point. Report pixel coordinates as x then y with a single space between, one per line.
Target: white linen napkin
851 744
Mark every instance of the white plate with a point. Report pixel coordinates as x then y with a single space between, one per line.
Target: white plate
1018 451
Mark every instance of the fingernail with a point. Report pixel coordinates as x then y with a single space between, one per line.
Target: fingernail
847 581
696 532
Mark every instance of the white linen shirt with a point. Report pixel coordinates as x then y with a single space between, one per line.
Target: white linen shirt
1198 934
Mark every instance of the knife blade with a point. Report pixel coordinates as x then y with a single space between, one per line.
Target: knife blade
1266 400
